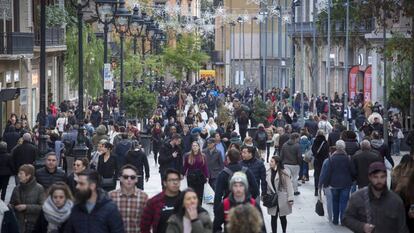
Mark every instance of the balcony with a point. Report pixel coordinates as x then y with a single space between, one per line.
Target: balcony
338 27
13 43
55 36
306 27
217 57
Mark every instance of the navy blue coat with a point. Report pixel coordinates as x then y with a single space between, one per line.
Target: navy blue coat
341 171
258 169
104 218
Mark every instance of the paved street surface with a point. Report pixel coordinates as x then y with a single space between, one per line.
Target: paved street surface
302 220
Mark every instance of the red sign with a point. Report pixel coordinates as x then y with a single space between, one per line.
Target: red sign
368 84
352 81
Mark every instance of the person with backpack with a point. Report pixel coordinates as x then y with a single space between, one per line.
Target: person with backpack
325 126
260 139
122 148
222 188
138 158
238 195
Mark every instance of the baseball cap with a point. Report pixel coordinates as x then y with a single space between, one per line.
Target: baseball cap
376 166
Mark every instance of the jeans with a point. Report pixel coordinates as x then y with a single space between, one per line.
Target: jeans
328 197
294 175
304 170
396 146
340 197
4 182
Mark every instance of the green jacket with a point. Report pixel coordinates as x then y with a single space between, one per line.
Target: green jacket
30 194
202 225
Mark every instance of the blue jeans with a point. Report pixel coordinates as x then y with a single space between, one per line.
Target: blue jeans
396 146
304 170
340 197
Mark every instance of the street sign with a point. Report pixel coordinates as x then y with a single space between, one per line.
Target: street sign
108 77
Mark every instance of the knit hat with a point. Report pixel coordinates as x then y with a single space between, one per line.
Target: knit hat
239 177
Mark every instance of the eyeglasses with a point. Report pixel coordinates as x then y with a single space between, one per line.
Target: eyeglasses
126 177
173 180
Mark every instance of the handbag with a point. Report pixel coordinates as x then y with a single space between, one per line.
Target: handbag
319 208
307 156
108 182
270 200
196 177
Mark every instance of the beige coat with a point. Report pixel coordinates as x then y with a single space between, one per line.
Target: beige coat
285 194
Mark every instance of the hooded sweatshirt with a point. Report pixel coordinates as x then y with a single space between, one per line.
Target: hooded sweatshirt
291 153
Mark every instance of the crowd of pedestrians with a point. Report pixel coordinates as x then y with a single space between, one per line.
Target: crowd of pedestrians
210 137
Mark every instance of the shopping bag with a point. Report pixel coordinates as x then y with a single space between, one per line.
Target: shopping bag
208 196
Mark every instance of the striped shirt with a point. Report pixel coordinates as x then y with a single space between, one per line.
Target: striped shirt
130 207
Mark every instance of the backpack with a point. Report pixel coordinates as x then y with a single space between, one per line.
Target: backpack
230 173
227 206
261 137
122 149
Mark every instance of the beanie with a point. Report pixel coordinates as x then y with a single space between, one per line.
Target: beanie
239 177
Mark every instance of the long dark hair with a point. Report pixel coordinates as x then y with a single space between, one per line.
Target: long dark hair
179 209
280 170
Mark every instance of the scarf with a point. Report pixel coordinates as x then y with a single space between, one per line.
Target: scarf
54 216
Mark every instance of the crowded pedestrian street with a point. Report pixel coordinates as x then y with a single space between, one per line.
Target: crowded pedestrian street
206 116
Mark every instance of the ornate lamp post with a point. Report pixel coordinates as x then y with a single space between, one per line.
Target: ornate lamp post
105 10
122 20
137 27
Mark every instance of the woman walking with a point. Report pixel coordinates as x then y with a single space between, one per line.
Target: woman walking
189 216
108 167
195 169
278 181
79 165
27 199
56 210
320 151
157 138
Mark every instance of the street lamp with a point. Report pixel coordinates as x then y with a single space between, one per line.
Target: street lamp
105 10
137 26
79 5
122 18
295 3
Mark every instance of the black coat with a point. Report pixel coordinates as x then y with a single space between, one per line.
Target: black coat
361 161
6 163
139 160
166 159
25 153
11 139
42 223
46 179
104 218
333 137
312 127
9 224
323 152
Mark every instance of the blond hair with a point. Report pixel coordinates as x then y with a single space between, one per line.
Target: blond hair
244 219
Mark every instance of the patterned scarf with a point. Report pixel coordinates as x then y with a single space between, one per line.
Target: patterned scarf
55 216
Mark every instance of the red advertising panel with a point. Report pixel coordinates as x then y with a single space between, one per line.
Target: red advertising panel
352 81
368 84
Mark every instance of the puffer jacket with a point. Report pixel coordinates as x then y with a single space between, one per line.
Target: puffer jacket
351 146
46 179
32 195
104 217
203 223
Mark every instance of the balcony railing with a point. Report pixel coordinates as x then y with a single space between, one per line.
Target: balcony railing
338 28
55 36
16 43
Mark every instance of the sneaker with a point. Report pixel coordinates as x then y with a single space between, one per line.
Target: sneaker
296 193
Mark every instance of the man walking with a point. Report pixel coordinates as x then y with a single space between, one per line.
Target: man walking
95 211
375 208
50 174
170 155
291 157
361 161
159 208
129 199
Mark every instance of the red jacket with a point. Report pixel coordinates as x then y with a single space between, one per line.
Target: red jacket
151 214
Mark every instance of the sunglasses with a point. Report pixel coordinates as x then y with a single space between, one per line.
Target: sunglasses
126 177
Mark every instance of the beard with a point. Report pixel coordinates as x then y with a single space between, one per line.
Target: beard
83 195
379 187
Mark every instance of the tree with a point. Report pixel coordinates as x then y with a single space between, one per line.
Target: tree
92 62
140 102
186 57
260 111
